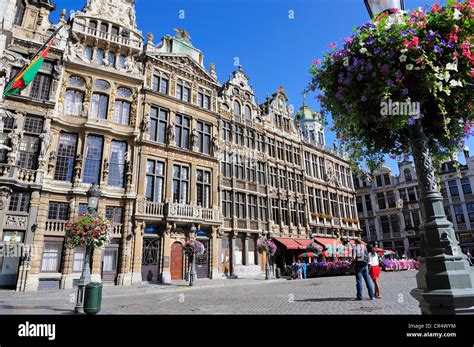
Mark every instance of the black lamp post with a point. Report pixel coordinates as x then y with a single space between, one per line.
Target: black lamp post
376 7
93 195
192 272
445 282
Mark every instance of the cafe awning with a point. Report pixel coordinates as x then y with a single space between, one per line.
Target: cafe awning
293 243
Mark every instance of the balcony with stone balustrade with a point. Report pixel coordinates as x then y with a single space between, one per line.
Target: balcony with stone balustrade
177 212
15 174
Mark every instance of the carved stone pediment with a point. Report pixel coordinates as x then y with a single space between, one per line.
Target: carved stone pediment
187 65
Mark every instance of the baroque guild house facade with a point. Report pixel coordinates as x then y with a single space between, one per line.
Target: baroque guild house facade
176 155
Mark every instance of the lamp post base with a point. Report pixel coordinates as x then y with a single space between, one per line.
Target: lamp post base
445 301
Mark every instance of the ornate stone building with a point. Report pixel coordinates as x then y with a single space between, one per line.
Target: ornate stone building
178 164
174 151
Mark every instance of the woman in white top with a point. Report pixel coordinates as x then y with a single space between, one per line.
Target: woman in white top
374 269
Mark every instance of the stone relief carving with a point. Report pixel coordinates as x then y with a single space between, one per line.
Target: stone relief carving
115 10
16 221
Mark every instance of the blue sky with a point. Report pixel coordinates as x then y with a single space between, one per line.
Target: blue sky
274 40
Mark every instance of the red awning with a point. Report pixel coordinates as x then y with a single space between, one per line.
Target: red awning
304 242
289 243
327 241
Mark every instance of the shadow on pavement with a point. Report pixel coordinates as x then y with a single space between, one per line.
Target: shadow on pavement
327 299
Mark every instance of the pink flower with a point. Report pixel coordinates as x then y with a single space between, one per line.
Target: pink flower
472 73
349 39
332 45
317 62
435 8
453 38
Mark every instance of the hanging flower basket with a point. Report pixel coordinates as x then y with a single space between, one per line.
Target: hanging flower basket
193 247
89 229
266 246
398 70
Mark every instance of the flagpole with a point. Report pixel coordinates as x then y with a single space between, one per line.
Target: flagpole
37 53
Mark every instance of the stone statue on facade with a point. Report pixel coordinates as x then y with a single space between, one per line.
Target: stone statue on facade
5 193
170 133
75 51
45 139
146 123
215 144
194 138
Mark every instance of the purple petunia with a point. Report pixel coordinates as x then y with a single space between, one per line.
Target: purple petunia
437 49
363 98
405 92
378 50
339 95
369 67
360 77
403 32
385 69
411 121
389 82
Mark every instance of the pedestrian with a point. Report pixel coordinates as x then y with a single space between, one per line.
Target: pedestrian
469 257
299 269
360 258
294 269
374 269
304 267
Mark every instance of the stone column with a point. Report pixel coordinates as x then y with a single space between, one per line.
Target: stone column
32 276
124 277
214 242
137 252
231 254
166 245
246 249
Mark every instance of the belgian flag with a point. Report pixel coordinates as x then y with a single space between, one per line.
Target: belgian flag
29 72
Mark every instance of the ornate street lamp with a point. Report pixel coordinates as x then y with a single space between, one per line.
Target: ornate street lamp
376 7
192 272
93 195
445 281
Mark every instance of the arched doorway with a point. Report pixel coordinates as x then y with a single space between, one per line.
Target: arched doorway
176 265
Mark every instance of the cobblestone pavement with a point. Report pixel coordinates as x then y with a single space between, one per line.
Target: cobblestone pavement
327 295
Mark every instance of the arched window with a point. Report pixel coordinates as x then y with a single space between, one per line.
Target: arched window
237 110
407 174
248 112
122 107
74 98
20 13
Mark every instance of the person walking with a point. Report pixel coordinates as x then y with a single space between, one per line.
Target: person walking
299 269
304 268
360 258
374 270
469 257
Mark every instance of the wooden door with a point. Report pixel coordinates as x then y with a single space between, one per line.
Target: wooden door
109 262
176 265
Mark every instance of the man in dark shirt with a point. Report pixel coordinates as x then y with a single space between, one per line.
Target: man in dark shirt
360 258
